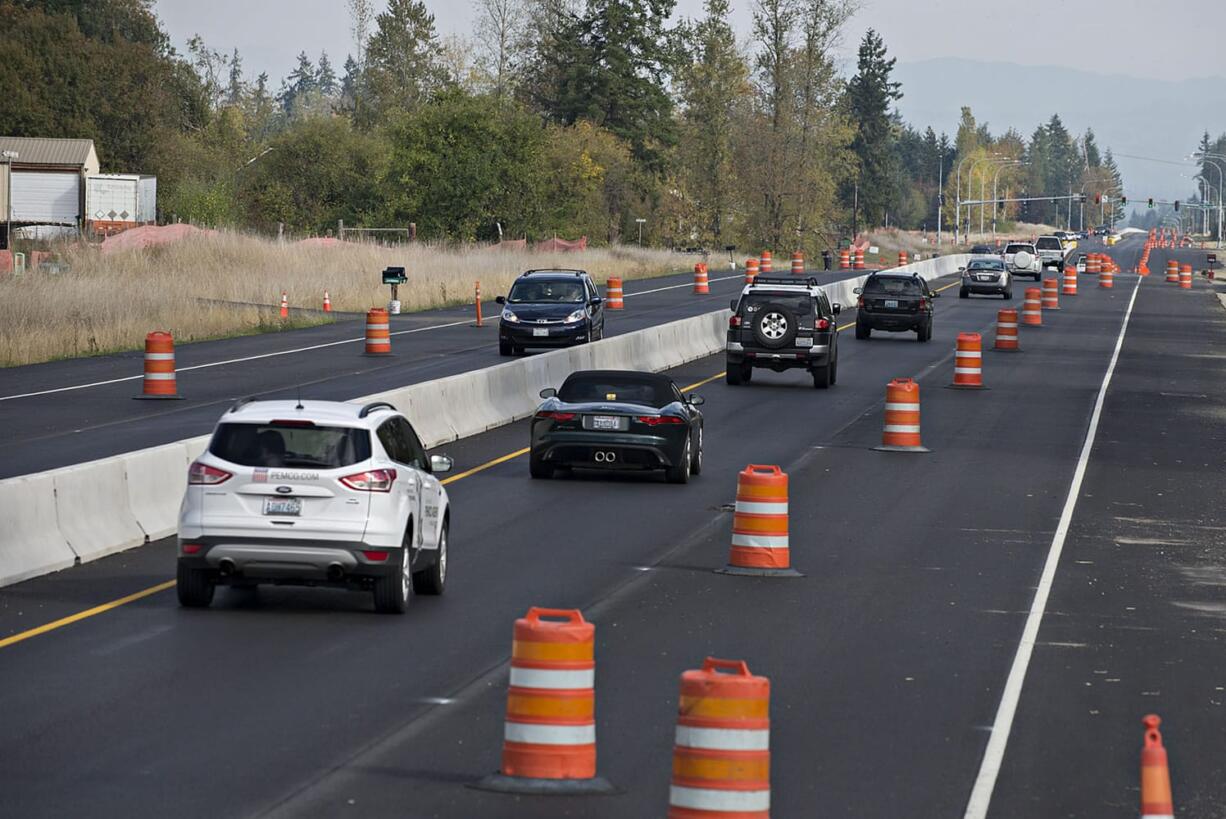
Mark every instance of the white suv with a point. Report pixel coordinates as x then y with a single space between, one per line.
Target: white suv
317 493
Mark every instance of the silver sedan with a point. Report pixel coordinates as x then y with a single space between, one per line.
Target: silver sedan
986 276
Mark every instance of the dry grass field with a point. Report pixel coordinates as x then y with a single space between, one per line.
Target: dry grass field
216 286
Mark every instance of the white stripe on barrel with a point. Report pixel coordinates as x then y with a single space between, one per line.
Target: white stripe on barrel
710 799
723 739
762 507
550 734
557 679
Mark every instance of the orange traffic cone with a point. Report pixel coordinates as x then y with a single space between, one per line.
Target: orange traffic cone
549 736
1156 800
760 524
327 303
284 305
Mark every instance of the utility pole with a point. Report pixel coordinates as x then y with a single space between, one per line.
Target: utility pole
9 156
940 195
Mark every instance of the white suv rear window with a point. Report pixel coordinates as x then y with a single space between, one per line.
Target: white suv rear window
1049 243
300 444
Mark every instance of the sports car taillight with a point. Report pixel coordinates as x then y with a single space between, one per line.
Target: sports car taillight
205 475
860 301
734 322
821 324
374 480
657 420
556 416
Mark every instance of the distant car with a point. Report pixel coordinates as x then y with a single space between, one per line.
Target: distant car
1021 259
982 250
617 420
315 493
1068 241
550 308
987 277
779 324
1051 252
1111 238
895 302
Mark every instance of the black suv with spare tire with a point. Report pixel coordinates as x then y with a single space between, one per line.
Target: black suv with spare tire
780 324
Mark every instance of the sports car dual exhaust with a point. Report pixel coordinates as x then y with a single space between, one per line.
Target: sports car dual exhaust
605 457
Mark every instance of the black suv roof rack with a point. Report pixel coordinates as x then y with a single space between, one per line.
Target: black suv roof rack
242 402
810 281
558 271
375 405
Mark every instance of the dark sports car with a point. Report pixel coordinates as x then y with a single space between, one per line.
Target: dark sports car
617 419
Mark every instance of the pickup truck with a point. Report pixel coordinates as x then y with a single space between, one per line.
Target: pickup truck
1023 260
1051 252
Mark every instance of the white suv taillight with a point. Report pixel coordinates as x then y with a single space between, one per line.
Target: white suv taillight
203 474
376 480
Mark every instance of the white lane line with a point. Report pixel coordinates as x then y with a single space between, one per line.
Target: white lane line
993 756
231 361
679 286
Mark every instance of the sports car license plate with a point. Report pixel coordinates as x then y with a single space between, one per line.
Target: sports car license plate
891 304
290 507
540 331
606 422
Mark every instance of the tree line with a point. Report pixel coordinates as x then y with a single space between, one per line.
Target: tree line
561 117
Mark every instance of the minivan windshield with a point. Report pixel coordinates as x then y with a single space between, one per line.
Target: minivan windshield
548 291
285 445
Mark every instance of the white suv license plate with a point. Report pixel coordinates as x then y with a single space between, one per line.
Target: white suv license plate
289 507
891 304
540 331
605 422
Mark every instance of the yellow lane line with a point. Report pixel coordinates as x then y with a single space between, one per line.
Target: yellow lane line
485 466
81 615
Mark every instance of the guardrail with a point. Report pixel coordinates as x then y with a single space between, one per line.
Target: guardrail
56 519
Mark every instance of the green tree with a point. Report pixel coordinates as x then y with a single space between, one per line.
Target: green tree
402 67
325 77
871 95
714 89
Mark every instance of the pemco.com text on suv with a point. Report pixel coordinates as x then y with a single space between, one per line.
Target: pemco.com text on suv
779 324
315 493
550 308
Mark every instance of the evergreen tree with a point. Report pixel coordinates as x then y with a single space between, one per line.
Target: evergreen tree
712 88
402 68
299 84
349 84
236 88
1090 148
325 77
871 95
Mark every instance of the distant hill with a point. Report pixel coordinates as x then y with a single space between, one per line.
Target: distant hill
1130 115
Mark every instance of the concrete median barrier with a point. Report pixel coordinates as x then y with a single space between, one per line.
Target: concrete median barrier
156 480
92 509
31 543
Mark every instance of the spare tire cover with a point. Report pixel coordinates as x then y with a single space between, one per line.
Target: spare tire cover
1022 259
775 326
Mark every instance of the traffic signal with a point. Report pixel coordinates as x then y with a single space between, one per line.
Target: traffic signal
1151 201
1124 200
1083 199
1177 206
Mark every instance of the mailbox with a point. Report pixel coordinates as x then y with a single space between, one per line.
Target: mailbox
394 275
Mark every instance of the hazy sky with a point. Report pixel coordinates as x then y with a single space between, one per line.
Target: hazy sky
1121 37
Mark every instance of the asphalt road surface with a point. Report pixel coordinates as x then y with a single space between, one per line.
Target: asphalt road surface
887 660
66 412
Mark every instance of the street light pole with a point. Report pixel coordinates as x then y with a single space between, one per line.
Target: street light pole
970 181
1013 163
1213 159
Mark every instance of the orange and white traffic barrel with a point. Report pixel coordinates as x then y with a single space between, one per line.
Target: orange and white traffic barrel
701 280
798 263
1172 271
1093 264
1032 308
159 381
1107 277
845 259
901 432
1006 330
613 294
859 265
760 524
968 362
766 262
1070 280
1051 294
378 332
1156 801
902 258
549 736
1185 276
721 750
751 270
284 304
